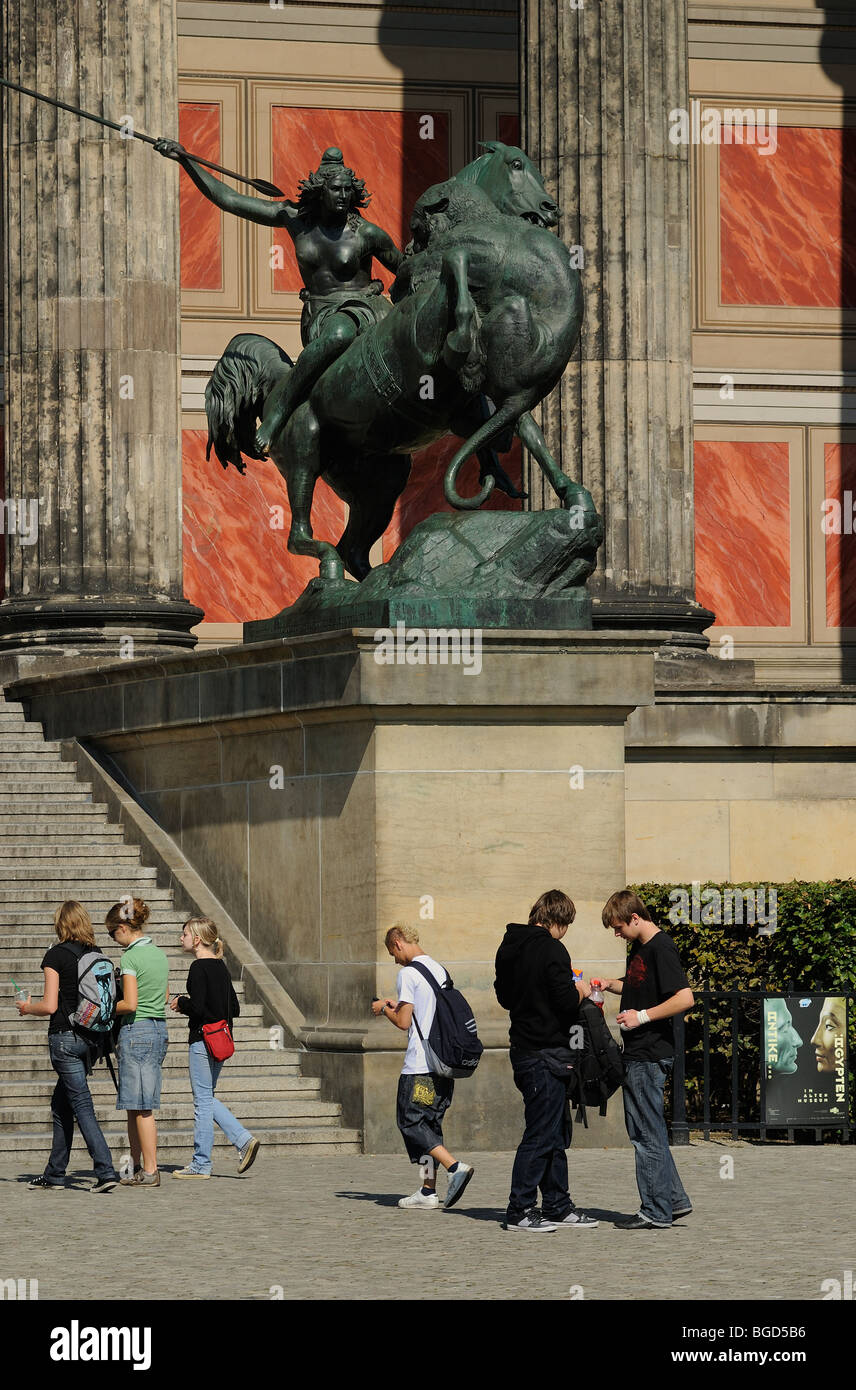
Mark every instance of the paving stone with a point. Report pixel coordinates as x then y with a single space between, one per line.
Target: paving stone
320 1227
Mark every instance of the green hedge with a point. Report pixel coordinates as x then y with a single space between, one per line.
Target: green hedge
812 950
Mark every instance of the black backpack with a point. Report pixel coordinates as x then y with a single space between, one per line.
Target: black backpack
452 1047
598 1067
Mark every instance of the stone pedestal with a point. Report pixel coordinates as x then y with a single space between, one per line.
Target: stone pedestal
597 85
91 334
323 796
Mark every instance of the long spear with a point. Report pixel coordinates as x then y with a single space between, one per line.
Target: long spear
260 185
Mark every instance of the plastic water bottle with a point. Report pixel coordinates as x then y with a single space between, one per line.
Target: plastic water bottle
596 995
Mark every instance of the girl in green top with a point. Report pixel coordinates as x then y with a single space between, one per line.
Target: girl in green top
142 1037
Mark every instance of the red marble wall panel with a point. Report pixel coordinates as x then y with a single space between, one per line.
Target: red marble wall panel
382 147
236 566
508 128
781 218
743 532
840 485
201 235
424 492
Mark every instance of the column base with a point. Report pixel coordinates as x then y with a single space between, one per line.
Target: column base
682 621
42 635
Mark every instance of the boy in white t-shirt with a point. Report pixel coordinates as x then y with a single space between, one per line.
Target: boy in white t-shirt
423 1099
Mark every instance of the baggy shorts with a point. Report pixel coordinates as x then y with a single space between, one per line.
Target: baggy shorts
422 1102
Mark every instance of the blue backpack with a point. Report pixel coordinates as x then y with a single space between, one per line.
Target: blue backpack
452 1047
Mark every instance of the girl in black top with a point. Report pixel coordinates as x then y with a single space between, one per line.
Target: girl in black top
69 1053
210 997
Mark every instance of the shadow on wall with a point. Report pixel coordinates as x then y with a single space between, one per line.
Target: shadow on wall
405 34
838 57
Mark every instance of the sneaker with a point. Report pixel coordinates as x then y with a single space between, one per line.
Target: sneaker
420 1199
43 1184
130 1179
457 1182
189 1172
104 1185
531 1220
144 1179
682 1211
639 1223
246 1155
575 1220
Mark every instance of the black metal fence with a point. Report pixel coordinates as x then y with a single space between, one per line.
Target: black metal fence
718 1067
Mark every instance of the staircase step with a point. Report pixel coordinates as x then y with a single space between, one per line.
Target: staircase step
43 874
41 917
249 1030
246 1062
44 811
38 1092
44 792
40 765
175 1144
287 1110
30 743
80 852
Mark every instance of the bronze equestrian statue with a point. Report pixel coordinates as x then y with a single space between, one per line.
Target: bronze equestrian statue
486 315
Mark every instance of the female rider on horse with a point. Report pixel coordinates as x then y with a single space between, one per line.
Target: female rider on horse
334 245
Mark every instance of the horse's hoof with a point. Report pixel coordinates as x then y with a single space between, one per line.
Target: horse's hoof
332 569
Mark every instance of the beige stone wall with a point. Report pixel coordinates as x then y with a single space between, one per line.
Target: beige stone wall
455 826
742 791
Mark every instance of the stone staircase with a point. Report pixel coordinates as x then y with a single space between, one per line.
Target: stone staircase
56 843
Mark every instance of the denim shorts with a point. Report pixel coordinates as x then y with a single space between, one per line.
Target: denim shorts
422 1102
141 1049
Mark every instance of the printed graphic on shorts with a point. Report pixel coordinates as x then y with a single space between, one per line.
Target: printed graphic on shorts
424 1093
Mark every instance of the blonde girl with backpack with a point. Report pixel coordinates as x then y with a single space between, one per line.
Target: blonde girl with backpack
69 1053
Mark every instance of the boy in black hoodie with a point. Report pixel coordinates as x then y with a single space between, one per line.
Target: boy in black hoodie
535 982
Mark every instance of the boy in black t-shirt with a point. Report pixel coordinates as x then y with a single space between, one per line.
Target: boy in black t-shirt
654 988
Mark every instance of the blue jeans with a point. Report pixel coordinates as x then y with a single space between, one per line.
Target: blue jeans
71 1101
660 1188
540 1160
204 1074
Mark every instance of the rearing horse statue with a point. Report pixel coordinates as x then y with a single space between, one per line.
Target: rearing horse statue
487 306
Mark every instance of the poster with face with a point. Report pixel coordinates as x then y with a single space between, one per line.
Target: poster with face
804 1077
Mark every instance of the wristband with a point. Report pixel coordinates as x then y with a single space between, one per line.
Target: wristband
643 1016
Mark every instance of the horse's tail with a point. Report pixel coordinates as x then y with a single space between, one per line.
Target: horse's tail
507 414
235 396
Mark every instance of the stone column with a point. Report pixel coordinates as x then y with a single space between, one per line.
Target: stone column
597 85
91 334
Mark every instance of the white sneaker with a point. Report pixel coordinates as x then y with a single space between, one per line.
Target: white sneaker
457 1182
419 1199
